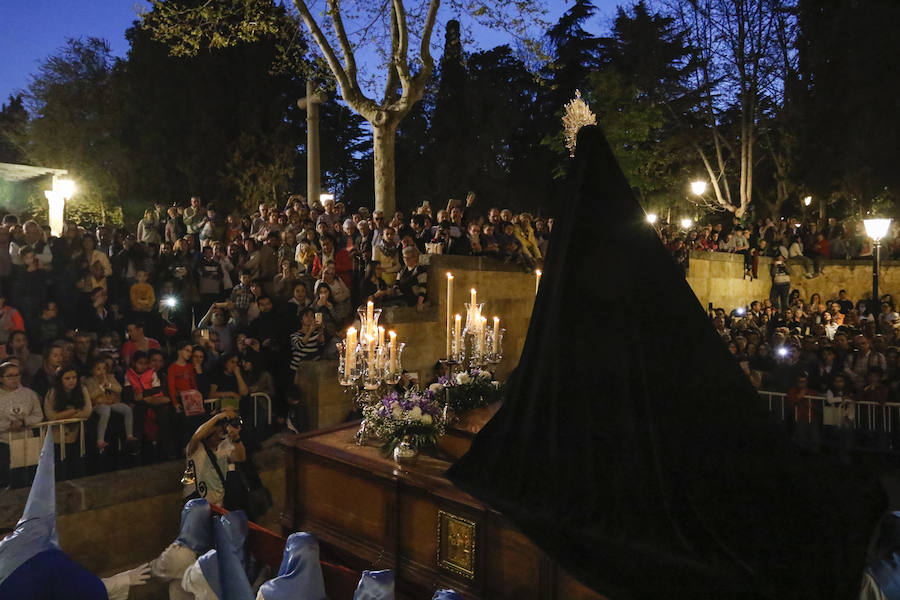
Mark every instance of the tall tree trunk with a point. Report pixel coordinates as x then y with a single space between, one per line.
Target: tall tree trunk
383 144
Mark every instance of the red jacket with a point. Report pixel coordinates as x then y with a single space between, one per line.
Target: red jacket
180 379
343 266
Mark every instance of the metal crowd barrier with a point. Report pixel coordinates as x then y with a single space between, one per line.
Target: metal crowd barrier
867 416
45 426
257 396
29 456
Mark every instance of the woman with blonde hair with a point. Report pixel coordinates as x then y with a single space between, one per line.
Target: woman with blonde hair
525 235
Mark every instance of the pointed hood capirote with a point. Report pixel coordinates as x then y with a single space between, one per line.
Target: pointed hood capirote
36 530
32 565
300 575
631 447
375 585
196 526
223 568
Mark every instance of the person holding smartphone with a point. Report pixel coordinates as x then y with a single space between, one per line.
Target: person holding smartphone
308 342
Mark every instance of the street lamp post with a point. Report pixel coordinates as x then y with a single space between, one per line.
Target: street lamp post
876 229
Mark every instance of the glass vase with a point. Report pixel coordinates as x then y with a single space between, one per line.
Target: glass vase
366 328
495 354
392 361
405 451
348 376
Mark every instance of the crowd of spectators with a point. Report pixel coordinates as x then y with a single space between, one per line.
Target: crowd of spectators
803 240
833 350
126 326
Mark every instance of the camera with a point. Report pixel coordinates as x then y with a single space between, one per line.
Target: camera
235 422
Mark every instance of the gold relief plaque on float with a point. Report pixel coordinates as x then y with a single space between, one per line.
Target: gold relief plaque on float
456 544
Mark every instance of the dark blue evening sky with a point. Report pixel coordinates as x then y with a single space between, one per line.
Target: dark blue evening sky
31 30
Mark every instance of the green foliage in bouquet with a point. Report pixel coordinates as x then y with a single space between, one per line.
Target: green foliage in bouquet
468 390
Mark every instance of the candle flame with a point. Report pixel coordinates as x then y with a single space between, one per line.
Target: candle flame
449 275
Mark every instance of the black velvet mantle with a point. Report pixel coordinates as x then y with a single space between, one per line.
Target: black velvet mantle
631 447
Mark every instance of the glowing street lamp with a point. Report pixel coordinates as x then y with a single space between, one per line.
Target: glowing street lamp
876 229
66 187
698 188
652 218
63 190
686 223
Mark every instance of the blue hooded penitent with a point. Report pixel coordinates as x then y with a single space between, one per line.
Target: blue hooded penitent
209 565
196 526
375 585
223 568
31 562
300 574
446 595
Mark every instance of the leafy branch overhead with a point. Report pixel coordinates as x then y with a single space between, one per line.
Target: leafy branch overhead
399 31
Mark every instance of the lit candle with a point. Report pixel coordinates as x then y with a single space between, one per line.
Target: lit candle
393 347
471 317
350 355
457 332
449 310
495 337
370 319
537 280
380 336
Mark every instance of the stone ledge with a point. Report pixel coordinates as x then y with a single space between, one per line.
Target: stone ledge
121 487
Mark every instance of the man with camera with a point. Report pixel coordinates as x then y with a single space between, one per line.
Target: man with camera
212 452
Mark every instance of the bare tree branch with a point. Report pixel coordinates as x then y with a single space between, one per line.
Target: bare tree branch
334 9
400 54
349 88
390 87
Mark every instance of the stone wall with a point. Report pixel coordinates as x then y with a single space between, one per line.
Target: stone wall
855 276
719 278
